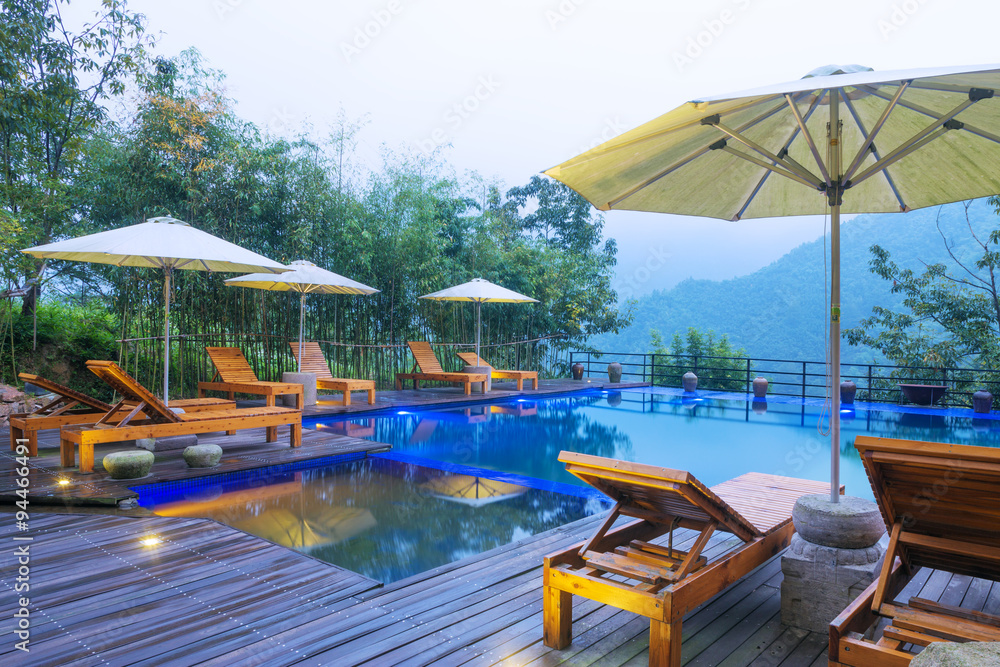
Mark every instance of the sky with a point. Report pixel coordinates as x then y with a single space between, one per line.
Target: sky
509 89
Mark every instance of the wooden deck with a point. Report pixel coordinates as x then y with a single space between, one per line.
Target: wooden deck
215 596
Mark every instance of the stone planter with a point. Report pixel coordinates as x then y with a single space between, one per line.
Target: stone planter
982 401
923 394
615 372
131 464
760 387
689 381
577 370
487 371
848 389
308 382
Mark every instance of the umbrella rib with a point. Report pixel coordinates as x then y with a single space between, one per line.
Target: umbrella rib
781 172
808 137
927 112
693 156
804 175
879 124
913 143
885 172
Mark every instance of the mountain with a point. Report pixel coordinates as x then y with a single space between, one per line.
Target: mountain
779 311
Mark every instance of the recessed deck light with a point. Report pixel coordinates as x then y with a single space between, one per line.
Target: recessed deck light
150 541
63 482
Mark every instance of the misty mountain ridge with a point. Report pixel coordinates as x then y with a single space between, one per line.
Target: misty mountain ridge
778 312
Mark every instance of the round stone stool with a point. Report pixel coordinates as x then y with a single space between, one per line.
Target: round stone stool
852 523
203 456
128 464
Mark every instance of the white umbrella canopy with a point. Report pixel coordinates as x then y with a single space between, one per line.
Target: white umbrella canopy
164 243
840 139
481 291
305 278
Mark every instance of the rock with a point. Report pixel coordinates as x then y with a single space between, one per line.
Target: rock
203 456
946 654
131 464
168 443
10 394
149 444
852 523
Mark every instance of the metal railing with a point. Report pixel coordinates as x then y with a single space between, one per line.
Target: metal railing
789 377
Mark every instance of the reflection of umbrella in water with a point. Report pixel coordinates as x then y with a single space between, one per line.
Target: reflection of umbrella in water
470 490
332 525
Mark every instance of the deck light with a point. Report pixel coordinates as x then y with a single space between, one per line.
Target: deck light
402 412
150 541
63 482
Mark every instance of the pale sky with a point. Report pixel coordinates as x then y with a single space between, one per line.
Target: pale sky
518 86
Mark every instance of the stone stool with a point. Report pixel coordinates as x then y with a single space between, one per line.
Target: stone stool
131 464
835 553
203 456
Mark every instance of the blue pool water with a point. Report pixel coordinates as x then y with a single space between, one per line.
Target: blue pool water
714 436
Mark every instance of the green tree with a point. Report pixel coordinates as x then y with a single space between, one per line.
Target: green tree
951 311
715 361
53 84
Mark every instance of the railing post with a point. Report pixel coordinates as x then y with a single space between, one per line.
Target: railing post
748 376
871 396
804 381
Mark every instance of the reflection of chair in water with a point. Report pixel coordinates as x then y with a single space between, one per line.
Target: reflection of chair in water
517 410
351 428
940 502
311 529
424 430
471 490
665 583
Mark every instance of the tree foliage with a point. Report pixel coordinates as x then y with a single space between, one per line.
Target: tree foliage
950 313
715 361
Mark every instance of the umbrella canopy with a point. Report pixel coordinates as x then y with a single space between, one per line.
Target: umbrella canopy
164 243
481 291
305 278
470 490
840 139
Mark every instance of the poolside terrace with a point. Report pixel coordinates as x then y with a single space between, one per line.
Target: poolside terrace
215 595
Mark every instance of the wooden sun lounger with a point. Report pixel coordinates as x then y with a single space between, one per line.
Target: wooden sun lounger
74 407
941 505
430 369
664 583
233 375
313 361
161 421
471 359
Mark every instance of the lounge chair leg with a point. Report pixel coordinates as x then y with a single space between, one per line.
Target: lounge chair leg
557 617
371 397
664 643
468 388
86 457
296 437
520 383
534 383
67 454
347 397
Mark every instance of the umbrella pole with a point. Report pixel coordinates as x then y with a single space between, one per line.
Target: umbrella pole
167 274
836 151
302 319
478 307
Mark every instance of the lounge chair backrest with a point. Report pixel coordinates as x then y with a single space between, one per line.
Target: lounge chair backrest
426 359
313 360
651 491
945 497
471 359
231 364
64 391
123 383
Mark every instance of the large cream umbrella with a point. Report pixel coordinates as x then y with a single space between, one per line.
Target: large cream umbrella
481 291
163 243
840 139
304 278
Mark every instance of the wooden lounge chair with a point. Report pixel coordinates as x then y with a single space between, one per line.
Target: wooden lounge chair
233 375
430 369
313 361
663 583
471 359
74 407
941 504
161 421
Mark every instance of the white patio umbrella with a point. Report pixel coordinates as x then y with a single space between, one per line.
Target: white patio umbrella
841 139
481 291
163 243
305 278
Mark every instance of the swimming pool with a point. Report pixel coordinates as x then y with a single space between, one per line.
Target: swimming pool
714 436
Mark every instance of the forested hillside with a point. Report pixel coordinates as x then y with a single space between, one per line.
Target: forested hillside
778 311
